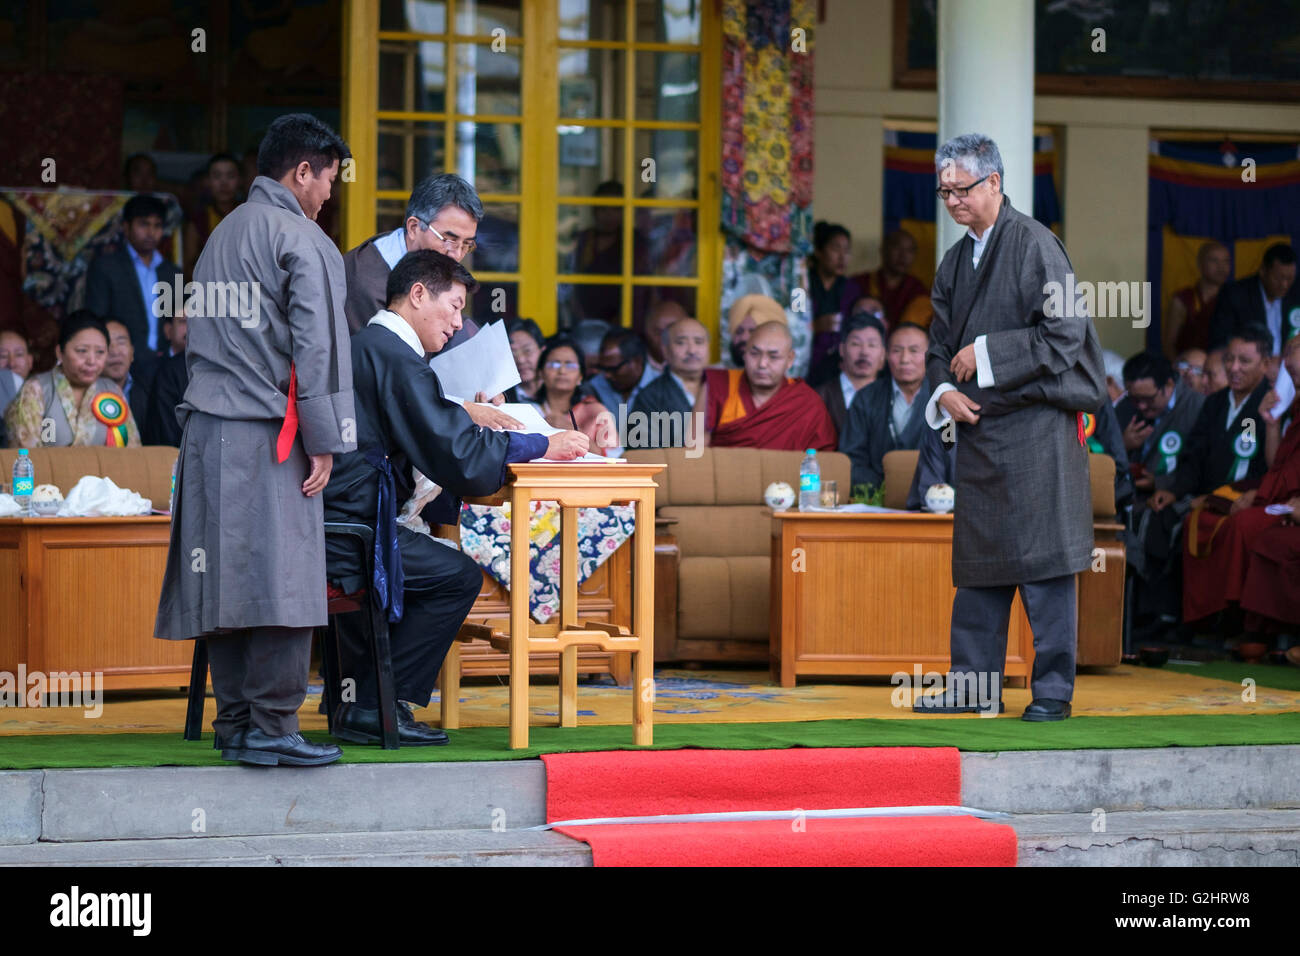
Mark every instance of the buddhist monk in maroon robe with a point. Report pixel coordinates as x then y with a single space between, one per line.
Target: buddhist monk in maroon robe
758 407
1250 545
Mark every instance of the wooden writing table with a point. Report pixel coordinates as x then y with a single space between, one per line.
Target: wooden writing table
579 485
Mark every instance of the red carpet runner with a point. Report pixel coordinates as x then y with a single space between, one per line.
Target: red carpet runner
617 783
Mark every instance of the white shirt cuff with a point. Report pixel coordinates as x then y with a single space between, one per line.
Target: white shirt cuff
983 367
935 416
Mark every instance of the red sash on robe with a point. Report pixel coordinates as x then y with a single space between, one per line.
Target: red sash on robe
793 419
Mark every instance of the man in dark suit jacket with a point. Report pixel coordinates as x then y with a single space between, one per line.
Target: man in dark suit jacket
1226 444
1269 299
442 214
135 378
861 361
160 426
890 412
120 285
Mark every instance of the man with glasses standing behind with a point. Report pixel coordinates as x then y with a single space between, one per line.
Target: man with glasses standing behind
442 214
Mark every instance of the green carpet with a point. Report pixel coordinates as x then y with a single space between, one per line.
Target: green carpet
1264 675
50 751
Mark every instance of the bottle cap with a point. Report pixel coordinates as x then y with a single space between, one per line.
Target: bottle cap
22 452
810 451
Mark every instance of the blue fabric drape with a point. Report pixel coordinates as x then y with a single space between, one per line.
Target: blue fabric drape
389 580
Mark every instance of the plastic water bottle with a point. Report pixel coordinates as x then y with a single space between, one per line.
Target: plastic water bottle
810 482
24 481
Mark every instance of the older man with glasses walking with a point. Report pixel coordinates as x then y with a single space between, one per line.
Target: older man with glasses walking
1015 371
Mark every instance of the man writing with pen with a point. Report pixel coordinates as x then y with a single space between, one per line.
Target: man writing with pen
405 422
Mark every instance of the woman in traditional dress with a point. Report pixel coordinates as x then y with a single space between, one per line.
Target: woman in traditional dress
564 402
73 403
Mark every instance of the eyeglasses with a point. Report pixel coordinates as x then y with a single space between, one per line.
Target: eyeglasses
961 192
451 242
1190 369
563 366
611 369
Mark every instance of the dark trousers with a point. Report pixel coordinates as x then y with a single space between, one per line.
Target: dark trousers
980 617
441 587
259 678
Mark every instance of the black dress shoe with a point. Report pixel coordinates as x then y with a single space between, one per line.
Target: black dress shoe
231 747
291 750
946 703
1045 708
361 725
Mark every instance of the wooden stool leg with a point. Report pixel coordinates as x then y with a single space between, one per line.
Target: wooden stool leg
569 686
643 623
519 621
449 688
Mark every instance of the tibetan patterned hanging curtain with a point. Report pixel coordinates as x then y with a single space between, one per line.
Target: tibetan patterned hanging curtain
767 161
767 151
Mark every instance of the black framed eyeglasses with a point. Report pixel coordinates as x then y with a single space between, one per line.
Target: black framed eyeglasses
961 192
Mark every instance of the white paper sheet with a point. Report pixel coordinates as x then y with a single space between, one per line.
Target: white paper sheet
528 415
483 364
1285 389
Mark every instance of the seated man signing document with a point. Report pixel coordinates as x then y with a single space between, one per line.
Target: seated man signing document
403 421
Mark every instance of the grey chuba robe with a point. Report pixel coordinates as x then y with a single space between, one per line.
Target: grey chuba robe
1024 503
247 547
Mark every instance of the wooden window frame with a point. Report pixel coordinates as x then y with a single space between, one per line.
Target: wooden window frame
539 276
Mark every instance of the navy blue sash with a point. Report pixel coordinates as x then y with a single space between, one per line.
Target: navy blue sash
389 579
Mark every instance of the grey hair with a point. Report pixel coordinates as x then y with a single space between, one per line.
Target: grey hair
435 193
973 152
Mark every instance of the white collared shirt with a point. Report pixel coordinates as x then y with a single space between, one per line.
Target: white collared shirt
1273 318
392 246
980 243
1234 408
848 389
934 415
399 327
901 408
681 383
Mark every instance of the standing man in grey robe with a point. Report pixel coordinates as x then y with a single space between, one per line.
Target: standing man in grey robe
1014 367
268 404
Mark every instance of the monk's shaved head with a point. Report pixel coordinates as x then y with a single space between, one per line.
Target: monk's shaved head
768 356
773 332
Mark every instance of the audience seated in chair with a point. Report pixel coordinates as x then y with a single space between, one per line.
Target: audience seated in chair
890 412
664 407
661 315
1248 555
1269 299
757 406
1190 368
623 372
893 283
73 403
526 344
135 379
565 401
861 354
